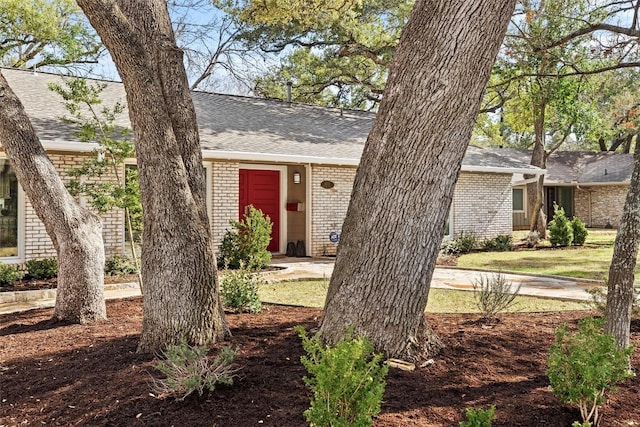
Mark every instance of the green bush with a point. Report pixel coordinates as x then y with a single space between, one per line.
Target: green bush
188 369
579 231
493 294
246 243
501 243
347 381
9 274
560 229
41 269
584 365
118 265
479 417
239 290
463 244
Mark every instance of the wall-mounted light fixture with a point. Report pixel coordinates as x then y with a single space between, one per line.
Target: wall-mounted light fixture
297 178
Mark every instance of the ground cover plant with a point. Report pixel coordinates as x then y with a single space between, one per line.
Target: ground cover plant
91 375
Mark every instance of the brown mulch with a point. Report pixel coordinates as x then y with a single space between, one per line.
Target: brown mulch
91 375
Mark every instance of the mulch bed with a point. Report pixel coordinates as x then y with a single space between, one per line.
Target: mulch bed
91 375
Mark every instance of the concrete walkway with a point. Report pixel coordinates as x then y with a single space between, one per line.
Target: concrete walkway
308 268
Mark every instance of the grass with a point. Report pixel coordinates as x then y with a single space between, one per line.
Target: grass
312 293
590 261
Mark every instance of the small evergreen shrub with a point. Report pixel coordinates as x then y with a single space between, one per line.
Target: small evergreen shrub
501 243
479 417
583 366
188 369
493 294
246 243
560 229
42 269
599 300
579 231
9 274
239 290
467 241
579 424
347 381
118 265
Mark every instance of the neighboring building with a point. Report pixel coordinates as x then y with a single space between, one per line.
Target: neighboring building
589 185
295 162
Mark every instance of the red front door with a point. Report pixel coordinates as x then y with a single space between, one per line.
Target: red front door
261 188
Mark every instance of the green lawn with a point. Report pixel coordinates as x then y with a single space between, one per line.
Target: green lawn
312 294
590 261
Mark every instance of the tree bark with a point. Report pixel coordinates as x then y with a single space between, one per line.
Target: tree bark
76 233
623 263
178 263
535 191
404 185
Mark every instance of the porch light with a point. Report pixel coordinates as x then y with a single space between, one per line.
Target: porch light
297 178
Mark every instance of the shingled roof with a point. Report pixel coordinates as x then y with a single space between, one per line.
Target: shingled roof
579 167
241 128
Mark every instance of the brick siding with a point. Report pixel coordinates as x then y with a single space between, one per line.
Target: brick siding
607 204
36 240
329 206
224 198
482 203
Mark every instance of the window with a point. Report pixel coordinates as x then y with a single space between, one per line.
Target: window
518 199
8 210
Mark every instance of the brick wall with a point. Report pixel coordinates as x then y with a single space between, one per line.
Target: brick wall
224 198
597 205
482 203
329 206
36 240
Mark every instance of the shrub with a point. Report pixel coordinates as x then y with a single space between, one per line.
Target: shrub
40 269
479 417
579 231
239 290
584 365
9 274
500 243
560 230
347 381
188 369
599 300
247 241
493 294
118 265
467 241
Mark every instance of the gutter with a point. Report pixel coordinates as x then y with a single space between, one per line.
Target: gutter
207 154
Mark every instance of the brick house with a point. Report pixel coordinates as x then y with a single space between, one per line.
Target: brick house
589 185
295 162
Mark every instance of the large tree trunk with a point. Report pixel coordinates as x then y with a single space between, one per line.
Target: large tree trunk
623 263
404 185
75 232
178 263
535 191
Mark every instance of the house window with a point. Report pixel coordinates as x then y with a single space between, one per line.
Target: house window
8 210
518 199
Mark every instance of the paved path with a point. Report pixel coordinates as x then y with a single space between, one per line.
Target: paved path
297 268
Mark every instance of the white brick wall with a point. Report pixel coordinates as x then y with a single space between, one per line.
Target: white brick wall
482 203
224 198
329 206
37 242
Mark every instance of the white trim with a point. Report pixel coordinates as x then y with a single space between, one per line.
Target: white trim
283 198
308 206
525 181
246 156
208 174
21 226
